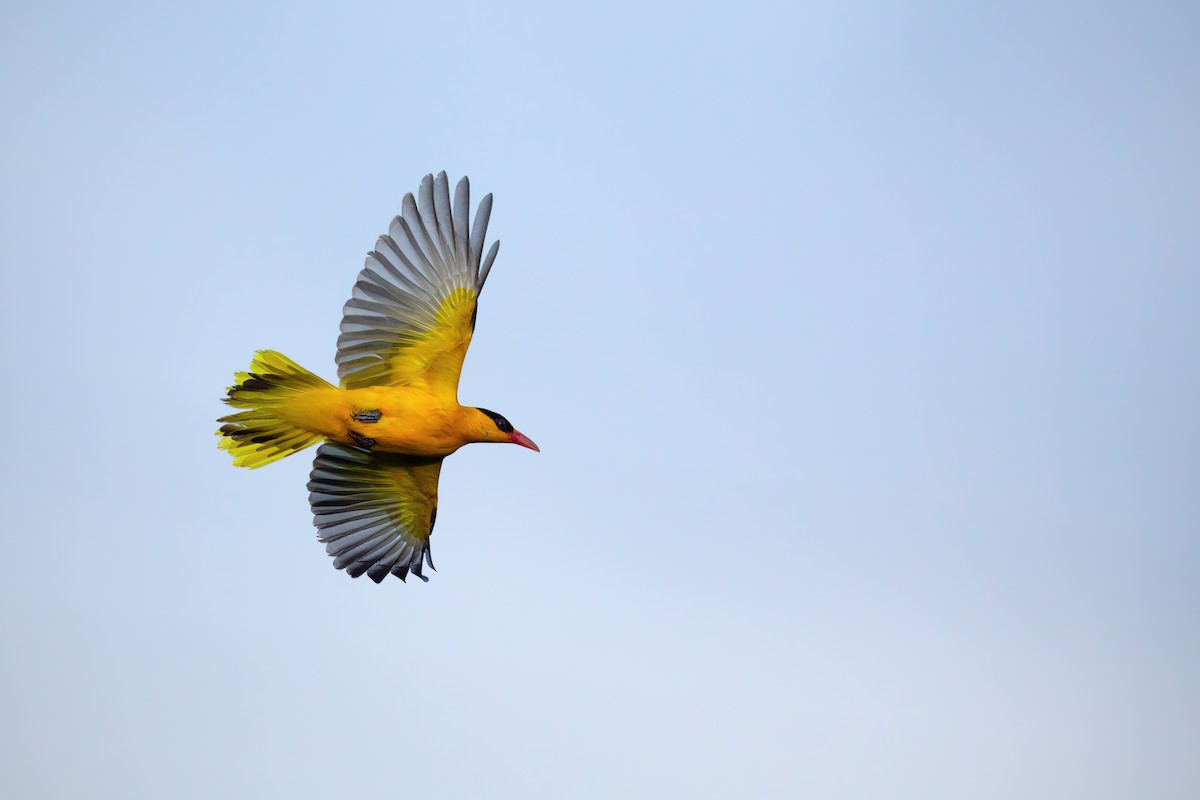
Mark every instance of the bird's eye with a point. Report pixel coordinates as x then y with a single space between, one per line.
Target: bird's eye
504 425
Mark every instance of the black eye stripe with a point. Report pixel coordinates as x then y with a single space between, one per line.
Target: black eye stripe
504 425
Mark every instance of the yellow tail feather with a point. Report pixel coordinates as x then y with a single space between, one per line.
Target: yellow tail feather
259 435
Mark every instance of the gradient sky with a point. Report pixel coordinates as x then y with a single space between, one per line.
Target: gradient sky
862 342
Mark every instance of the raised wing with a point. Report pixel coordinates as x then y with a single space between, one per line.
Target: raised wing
410 318
374 511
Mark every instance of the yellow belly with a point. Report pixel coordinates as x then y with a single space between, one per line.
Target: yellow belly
410 420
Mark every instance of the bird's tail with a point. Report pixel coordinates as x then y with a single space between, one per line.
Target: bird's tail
260 435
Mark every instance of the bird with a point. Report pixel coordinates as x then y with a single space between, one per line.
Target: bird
394 416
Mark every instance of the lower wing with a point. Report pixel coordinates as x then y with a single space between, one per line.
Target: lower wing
374 511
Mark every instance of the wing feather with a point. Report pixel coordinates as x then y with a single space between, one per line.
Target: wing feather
487 264
427 217
462 215
479 230
445 222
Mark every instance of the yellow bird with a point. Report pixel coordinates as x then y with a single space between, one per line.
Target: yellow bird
395 414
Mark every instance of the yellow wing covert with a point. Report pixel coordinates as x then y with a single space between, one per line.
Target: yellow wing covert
374 511
412 313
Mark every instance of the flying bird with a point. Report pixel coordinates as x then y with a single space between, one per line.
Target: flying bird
385 429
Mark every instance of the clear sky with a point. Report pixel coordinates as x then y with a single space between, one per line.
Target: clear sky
862 342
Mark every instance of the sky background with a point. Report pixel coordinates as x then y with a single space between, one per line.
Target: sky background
862 342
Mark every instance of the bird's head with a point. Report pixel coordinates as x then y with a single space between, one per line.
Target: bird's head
488 426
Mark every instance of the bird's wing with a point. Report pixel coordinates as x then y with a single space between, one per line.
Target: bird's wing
410 318
374 511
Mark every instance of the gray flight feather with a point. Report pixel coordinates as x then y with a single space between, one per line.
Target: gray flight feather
487 264
478 231
445 222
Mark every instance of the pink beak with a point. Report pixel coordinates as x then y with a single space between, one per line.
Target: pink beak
516 437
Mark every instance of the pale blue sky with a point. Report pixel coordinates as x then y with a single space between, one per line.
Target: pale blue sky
862 343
